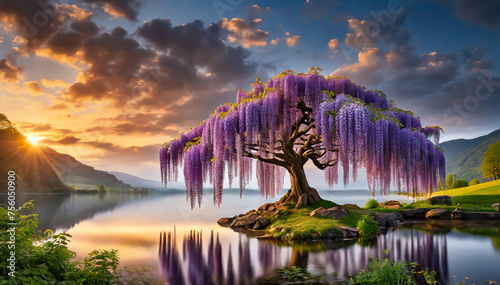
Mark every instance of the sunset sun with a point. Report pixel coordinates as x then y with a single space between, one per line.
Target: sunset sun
33 140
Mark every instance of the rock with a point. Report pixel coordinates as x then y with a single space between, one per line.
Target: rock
351 206
225 221
336 213
456 214
481 215
317 212
496 206
349 232
442 214
393 215
246 220
440 200
391 223
408 214
420 212
382 222
392 204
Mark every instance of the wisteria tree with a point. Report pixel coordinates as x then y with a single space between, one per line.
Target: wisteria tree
296 118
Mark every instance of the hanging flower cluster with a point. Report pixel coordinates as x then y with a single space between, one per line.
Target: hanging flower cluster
359 127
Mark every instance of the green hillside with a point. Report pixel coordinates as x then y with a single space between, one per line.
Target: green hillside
464 156
42 169
483 194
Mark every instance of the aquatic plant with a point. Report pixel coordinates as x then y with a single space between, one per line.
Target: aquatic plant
295 118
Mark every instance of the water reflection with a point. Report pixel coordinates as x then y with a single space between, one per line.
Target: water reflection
209 265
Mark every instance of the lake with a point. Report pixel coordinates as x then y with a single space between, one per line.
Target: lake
159 230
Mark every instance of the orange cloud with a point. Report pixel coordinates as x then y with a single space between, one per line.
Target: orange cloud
291 40
34 86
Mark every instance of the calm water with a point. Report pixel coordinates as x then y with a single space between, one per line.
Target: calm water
132 223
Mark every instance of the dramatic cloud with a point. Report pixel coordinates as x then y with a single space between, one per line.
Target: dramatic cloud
34 86
55 83
483 12
120 8
9 72
245 32
69 140
291 40
368 33
440 87
257 8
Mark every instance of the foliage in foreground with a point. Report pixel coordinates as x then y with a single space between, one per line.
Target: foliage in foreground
382 271
49 261
367 227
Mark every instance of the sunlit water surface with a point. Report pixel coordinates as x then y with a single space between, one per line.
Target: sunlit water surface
198 247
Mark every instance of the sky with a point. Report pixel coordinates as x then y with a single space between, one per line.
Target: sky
109 81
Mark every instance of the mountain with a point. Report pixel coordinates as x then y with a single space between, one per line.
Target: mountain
33 171
42 169
464 156
136 181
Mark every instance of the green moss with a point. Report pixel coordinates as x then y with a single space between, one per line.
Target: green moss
297 222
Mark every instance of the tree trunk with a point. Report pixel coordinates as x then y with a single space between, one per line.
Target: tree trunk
300 192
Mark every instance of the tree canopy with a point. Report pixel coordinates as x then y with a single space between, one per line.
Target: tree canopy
491 162
294 118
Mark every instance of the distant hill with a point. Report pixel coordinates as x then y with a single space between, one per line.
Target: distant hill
136 181
464 156
42 169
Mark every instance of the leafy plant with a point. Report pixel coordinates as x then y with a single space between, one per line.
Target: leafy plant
382 271
44 258
371 204
367 227
294 274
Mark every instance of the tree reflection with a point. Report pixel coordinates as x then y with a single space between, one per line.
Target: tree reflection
214 264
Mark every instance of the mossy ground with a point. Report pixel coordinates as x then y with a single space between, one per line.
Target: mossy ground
297 222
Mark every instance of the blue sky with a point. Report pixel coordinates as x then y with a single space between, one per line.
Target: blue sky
106 82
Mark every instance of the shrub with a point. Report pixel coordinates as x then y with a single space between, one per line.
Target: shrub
474 181
367 227
382 271
46 259
460 183
371 204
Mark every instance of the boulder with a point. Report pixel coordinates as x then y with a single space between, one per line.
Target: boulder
440 200
381 221
441 214
248 220
481 215
393 215
391 223
349 232
457 215
351 206
496 206
408 214
225 221
392 204
420 212
336 213
317 212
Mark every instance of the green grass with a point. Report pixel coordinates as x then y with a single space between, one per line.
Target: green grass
299 224
473 198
